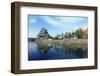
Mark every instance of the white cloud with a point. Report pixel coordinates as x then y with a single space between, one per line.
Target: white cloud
70 19
64 22
54 21
32 20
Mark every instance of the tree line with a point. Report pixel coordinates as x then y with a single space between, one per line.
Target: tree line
80 33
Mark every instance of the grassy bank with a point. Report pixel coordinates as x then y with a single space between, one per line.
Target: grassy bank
73 43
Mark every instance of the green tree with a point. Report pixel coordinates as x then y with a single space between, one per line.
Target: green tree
69 35
57 36
66 35
81 33
62 35
86 33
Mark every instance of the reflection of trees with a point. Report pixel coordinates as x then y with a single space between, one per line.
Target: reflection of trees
43 49
62 49
71 52
79 52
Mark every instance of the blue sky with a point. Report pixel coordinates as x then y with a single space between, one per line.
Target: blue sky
55 24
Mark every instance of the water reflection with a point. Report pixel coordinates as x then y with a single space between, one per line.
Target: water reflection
54 51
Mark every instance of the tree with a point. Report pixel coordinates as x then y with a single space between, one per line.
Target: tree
81 33
86 32
62 35
66 35
73 34
69 35
57 36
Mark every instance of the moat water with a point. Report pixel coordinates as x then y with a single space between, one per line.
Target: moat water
53 52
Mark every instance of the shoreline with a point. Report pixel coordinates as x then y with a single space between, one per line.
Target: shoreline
72 43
